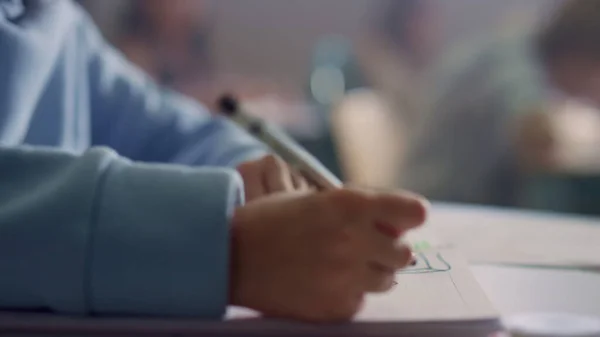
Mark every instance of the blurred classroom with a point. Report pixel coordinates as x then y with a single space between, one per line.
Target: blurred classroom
445 98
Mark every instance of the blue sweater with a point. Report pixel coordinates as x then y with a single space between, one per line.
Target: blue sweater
91 219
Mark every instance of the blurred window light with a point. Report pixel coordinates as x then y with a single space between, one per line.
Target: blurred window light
327 84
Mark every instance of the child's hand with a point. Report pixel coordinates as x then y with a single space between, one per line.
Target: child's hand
314 256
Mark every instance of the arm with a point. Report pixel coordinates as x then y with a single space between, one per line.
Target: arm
96 234
145 122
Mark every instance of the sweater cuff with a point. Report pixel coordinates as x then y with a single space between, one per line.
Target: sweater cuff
160 240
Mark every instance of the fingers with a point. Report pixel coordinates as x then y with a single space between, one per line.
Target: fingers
385 260
348 257
388 230
394 258
402 211
396 214
269 175
300 183
374 222
281 177
277 175
254 186
386 250
377 278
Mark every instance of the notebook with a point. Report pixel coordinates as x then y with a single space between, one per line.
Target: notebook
437 296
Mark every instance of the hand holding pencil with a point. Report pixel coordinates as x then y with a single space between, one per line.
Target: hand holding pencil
311 256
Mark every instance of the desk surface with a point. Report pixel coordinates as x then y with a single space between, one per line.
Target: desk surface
514 289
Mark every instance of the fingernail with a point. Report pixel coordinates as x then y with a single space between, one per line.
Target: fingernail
413 260
387 230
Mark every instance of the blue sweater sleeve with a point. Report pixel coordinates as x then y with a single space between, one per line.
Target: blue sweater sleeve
143 121
98 233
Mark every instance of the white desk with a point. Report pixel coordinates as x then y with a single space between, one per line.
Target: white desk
514 289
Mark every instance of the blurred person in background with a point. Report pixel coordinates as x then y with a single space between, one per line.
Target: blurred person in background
463 150
380 83
569 49
490 128
170 40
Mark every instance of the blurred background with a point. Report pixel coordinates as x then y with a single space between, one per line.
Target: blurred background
446 98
